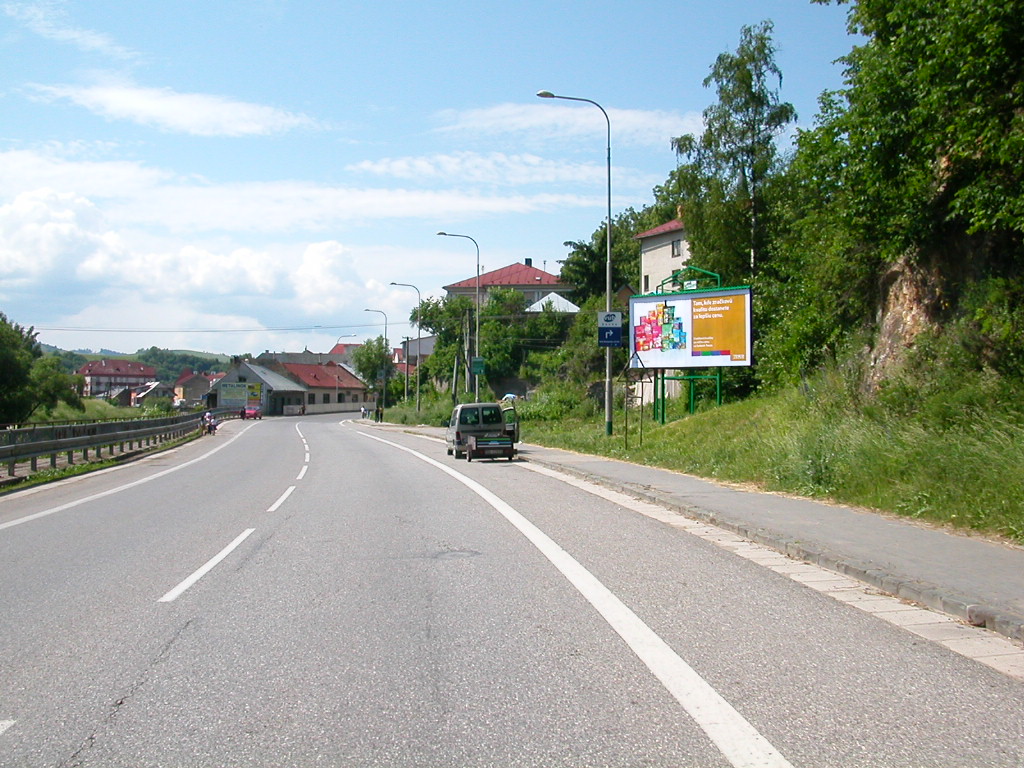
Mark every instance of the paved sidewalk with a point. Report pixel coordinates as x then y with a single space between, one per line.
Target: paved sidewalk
974 579
971 578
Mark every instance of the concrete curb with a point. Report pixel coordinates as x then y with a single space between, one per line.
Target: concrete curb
972 610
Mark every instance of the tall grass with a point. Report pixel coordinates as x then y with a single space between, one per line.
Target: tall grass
95 410
820 442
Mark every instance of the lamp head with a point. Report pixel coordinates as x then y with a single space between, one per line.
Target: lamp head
546 94
444 234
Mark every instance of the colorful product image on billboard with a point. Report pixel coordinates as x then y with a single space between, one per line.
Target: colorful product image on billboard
659 329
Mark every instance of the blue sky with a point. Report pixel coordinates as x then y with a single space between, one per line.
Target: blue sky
249 175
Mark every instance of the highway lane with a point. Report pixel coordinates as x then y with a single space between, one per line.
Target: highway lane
384 613
78 620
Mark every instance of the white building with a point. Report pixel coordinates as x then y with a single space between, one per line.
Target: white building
663 250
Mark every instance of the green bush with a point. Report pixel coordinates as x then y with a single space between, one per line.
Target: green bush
557 401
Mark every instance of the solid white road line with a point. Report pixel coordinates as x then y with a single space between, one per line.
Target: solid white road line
175 593
112 491
738 741
5 724
977 643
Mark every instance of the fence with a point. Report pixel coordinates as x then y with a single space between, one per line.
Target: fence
58 444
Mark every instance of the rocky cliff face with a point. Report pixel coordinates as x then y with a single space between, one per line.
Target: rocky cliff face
911 299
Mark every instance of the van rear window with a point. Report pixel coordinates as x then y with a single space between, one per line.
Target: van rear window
491 415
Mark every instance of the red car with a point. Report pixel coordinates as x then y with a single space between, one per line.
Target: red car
252 412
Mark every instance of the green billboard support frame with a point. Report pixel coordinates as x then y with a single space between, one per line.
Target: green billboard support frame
660 389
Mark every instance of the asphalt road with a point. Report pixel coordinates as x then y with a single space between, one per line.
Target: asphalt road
304 592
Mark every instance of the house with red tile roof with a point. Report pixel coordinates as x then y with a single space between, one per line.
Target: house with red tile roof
533 283
105 376
192 387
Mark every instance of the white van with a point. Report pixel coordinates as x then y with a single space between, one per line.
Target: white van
479 430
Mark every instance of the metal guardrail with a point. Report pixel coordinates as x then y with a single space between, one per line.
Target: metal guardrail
21 449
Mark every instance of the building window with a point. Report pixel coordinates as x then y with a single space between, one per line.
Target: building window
677 248
311 399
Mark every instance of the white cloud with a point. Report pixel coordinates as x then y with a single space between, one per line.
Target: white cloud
294 206
44 233
497 169
190 271
197 114
494 168
133 195
49 20
653 128
324 279
124 322
51 166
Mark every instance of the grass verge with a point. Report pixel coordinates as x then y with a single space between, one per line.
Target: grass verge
969 475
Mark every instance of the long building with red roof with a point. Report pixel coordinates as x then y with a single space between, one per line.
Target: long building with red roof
104 376
527 279
327 384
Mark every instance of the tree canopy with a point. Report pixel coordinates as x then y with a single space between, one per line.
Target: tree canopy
720 182
29 381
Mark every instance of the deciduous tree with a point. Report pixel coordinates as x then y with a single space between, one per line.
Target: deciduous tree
29 381
720 182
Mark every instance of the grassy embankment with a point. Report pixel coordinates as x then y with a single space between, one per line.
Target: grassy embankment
958 465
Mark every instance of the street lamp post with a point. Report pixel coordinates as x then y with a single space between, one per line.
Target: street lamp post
405 340
476 341
608 259
419 307
338 341
387 359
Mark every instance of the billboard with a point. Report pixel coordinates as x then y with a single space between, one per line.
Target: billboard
695 329
237 394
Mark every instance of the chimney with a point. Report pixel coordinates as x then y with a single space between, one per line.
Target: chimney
528 262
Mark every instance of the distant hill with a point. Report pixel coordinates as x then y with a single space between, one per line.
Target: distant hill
209 355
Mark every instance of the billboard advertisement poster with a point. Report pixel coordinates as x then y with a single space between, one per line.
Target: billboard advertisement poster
705 329
237 394
233 394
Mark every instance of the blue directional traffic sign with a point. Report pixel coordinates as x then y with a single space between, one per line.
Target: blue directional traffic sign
609 329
